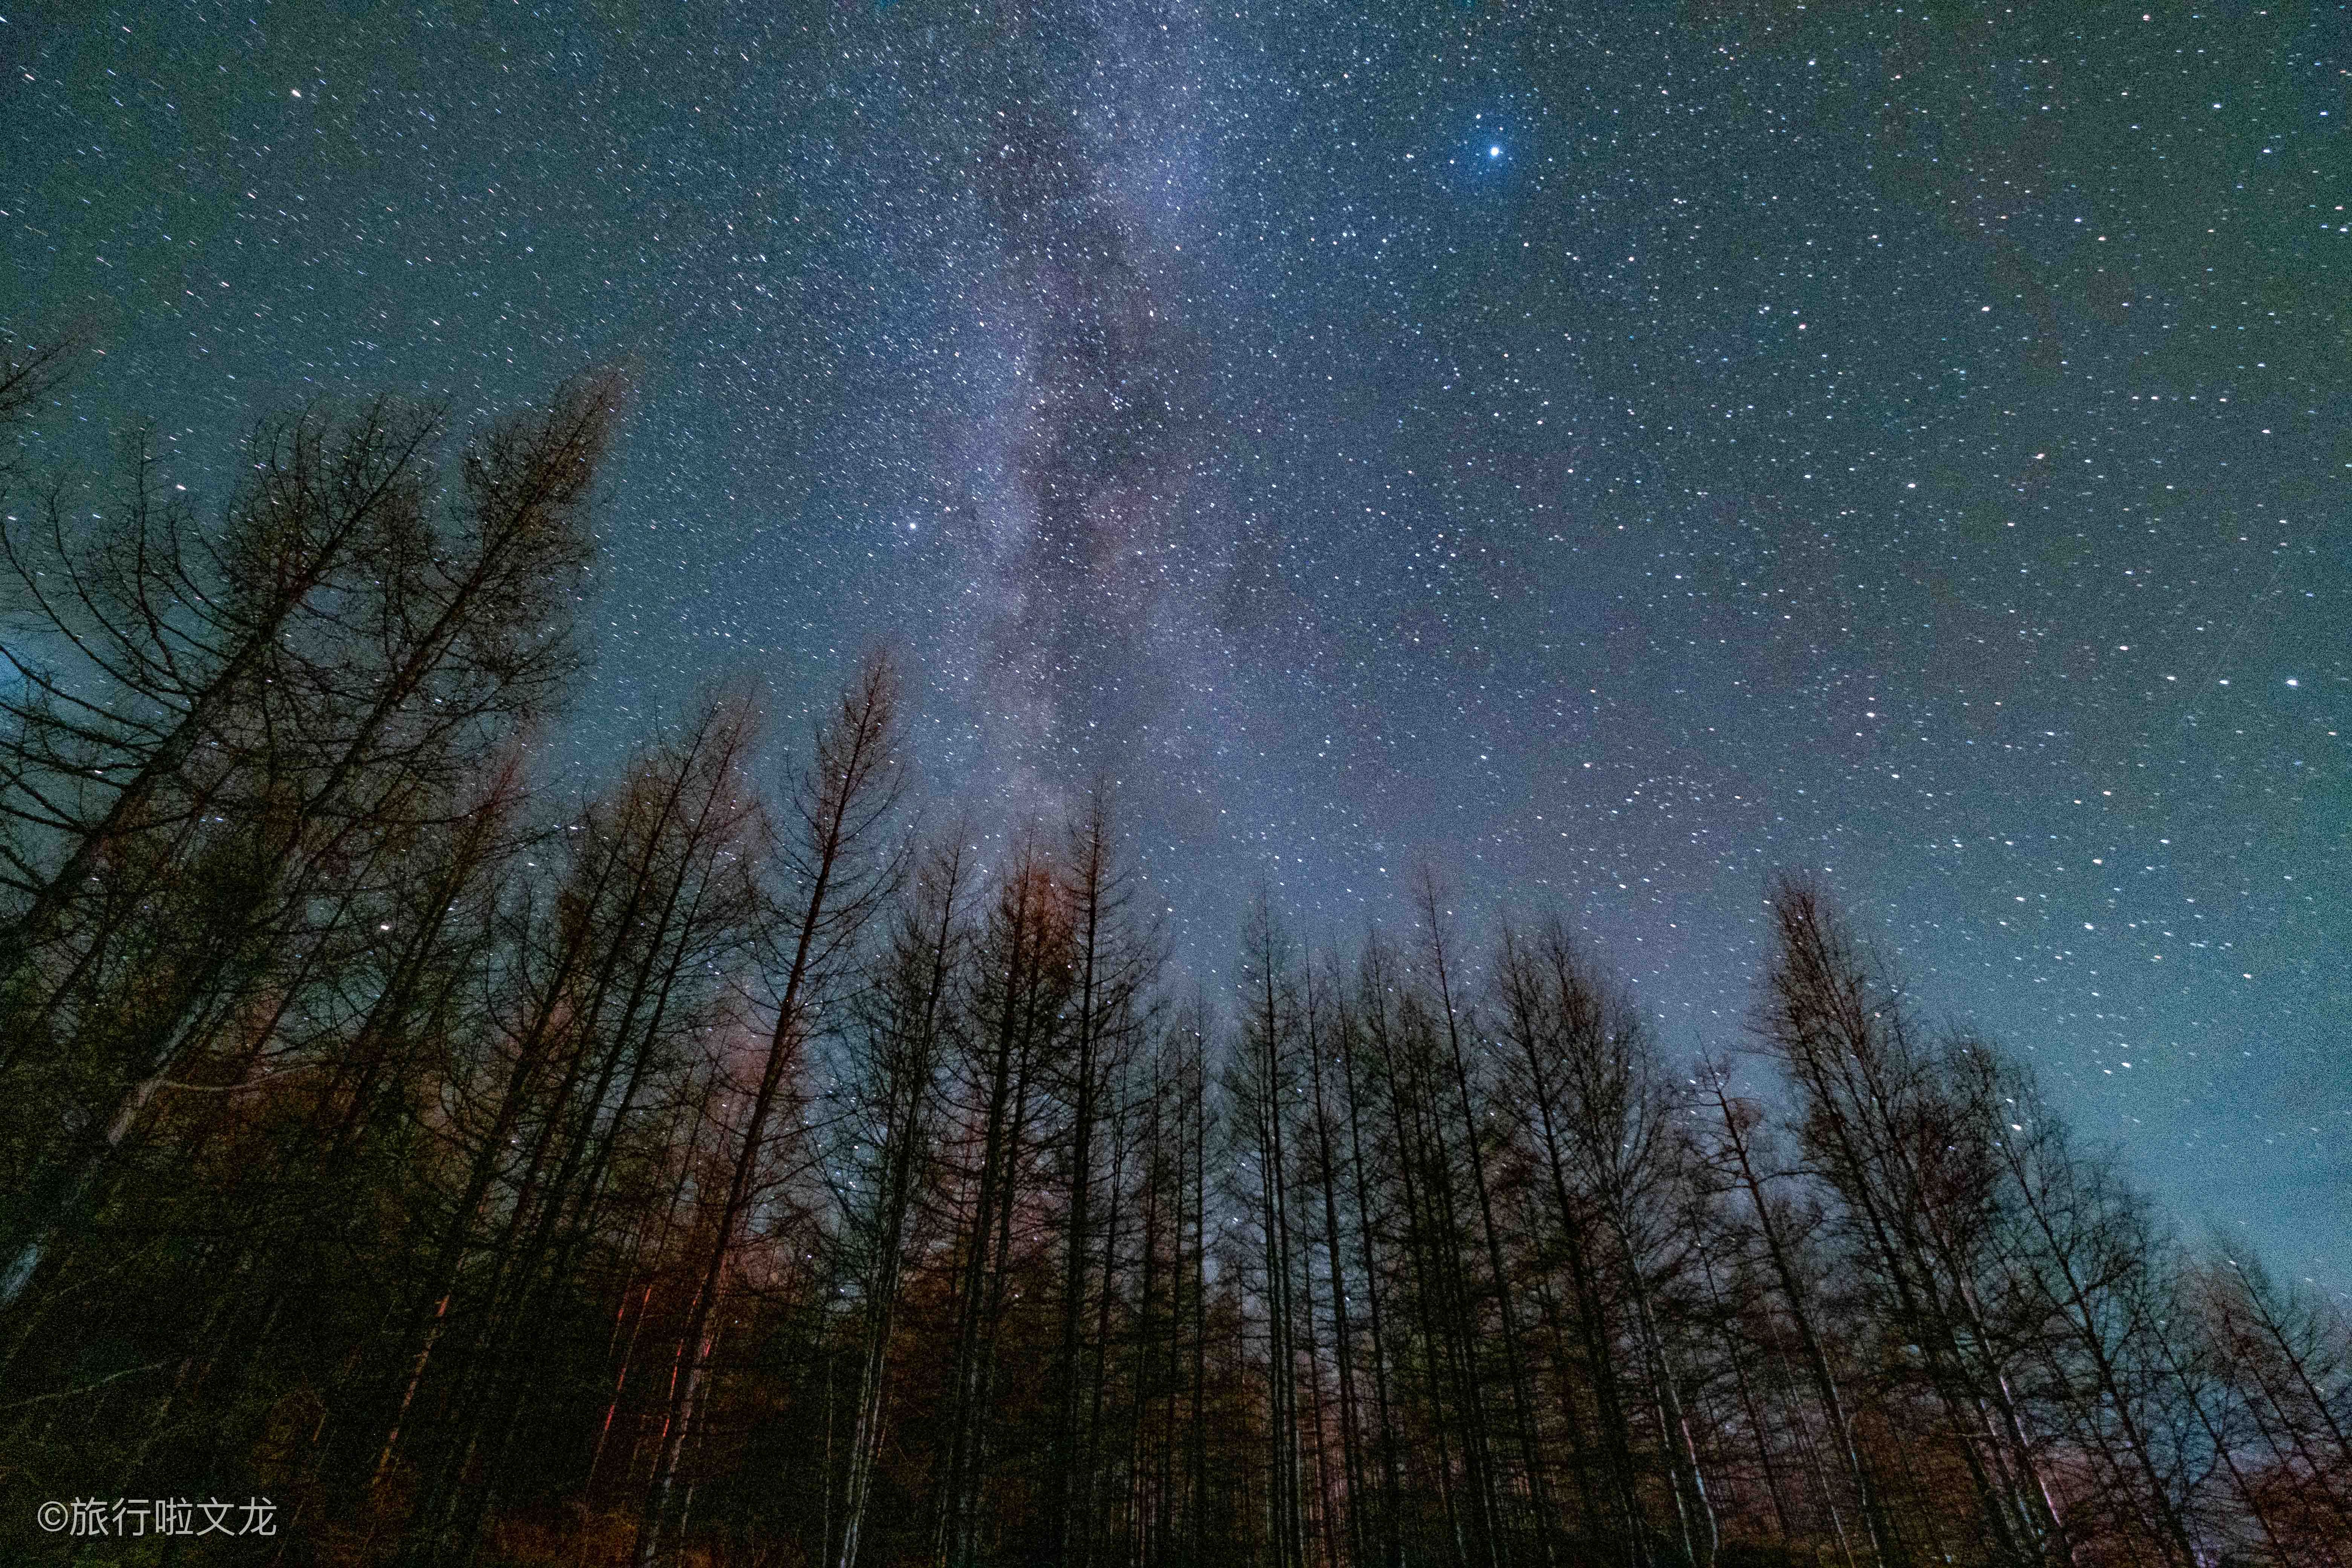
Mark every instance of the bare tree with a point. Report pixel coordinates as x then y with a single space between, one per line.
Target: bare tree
900 1041
1879 1126
1739 1121
1553 1009
254 718
1437 950
1113 964
836 870
1263 1091
1015 1012
661 899
2276 1392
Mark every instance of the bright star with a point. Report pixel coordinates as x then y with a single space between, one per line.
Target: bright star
1494 152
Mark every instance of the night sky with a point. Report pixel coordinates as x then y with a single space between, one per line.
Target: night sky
1615 452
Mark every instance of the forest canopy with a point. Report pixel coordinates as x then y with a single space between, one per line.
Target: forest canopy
732 1167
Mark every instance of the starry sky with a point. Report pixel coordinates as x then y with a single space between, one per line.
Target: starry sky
1614 452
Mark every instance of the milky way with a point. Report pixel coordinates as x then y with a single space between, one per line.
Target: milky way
1071 475
1615 456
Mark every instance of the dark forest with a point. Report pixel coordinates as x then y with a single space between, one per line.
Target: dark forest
739 1167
